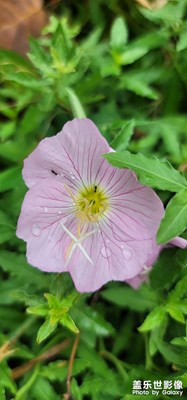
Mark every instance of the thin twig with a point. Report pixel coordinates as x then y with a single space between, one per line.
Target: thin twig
19 371
67 395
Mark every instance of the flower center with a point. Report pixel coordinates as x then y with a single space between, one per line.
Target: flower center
91 204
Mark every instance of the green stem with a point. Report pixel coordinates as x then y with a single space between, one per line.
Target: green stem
148 359
20 394
118 364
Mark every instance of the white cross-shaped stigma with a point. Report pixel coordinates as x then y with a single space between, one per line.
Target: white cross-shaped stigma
77 243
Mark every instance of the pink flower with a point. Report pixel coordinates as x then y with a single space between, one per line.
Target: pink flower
82 215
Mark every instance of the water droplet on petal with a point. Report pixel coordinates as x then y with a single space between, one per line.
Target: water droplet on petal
59 212
45 209
128 253
105 252
72 176
36 231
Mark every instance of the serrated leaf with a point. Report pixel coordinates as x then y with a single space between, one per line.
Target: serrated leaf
29 299
119 34
28 80
141 88
175 218
151 171
142 45
121 141
153 319
45 330
38 56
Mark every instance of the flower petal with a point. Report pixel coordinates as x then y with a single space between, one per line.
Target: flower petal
113 258
136 209
45 206
73 156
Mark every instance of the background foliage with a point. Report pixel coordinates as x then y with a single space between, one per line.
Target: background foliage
125 67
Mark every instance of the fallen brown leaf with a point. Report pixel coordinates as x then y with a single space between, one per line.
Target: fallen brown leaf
18 20
152 5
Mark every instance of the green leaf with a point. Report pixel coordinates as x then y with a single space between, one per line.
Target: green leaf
175 218
7 129
39 56
151 171
68 322
75 390
142 45
10 178
40 309
53 301
45 330
134 84
16 265
43 390
119 34
182 42
11 57
175 312
6 379
33 114
76 105
121 141
164 272
20 395
173 354
179 341
2 391
128 298
89 320
153 319
28 80
7 230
